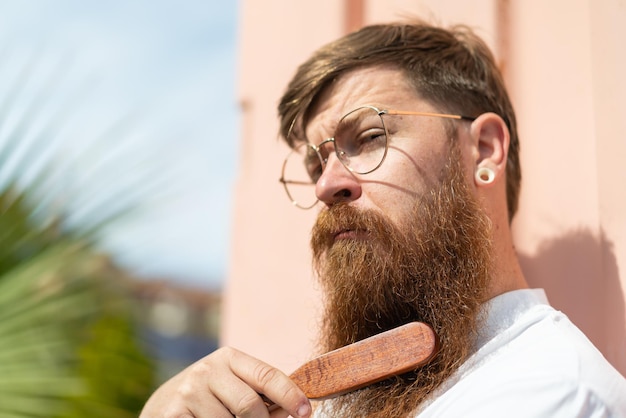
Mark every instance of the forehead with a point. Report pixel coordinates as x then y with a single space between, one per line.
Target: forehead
378 86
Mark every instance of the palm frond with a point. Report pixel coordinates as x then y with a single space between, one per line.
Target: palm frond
68 344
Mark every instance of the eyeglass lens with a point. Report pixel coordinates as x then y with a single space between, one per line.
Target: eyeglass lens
302 165
360 143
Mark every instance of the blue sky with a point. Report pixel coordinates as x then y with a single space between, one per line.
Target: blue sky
165 71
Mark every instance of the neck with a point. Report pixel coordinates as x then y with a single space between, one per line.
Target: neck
507 273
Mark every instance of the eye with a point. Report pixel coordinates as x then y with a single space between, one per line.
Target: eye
370 137
361 140
366 141
360 131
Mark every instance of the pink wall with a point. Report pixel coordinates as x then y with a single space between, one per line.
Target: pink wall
564 64
570 95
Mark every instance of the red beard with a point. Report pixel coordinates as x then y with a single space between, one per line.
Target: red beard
434 268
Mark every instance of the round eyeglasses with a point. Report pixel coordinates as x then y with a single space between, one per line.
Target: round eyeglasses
360 143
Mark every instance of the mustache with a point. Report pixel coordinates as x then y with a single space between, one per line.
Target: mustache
344 218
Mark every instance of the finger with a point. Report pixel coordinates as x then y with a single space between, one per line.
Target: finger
215 412
273 383
213 409
279 413
187 403
241 400
210 386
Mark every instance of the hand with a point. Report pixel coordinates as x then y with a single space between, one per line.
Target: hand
227 383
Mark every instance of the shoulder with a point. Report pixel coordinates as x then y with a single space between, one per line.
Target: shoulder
545 397
539 365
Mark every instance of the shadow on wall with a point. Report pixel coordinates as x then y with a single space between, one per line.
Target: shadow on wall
579 272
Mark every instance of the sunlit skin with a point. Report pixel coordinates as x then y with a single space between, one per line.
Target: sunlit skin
418 148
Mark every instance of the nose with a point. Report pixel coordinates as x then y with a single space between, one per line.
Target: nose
337 183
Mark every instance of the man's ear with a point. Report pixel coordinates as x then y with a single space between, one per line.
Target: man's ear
490 137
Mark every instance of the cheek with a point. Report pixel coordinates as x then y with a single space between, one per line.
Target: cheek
416 170
394 205
402 180
393 193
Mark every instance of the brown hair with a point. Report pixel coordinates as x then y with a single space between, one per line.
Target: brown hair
453 68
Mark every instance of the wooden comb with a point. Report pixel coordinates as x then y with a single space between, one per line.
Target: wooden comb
368 361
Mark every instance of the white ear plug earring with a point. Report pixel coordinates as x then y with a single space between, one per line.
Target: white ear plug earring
485 175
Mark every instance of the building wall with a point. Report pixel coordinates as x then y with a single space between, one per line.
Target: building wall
564 66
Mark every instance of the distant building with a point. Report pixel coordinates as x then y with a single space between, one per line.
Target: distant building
179 325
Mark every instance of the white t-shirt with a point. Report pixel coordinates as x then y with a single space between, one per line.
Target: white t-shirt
530 361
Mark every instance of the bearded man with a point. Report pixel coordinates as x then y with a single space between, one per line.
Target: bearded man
405 138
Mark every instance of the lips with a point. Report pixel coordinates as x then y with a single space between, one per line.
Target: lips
340 224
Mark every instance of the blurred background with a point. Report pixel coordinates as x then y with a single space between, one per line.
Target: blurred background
118 144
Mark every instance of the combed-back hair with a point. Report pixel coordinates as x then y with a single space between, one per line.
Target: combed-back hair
452 68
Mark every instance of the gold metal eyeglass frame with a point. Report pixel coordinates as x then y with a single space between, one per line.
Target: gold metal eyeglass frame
317 148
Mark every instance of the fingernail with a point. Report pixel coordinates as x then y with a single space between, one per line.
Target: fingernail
304 410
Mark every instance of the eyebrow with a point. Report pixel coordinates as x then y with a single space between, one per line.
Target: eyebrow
347 124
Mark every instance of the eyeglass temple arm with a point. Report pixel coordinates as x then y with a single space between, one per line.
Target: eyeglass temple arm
439 115
285 181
